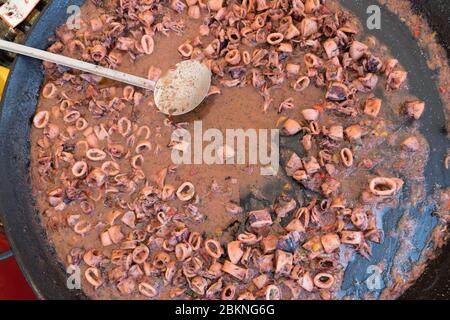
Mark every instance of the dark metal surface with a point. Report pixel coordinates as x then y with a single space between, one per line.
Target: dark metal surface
435 281
437 13
397 37
18 34
36 257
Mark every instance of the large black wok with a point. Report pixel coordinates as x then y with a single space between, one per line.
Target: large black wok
37 259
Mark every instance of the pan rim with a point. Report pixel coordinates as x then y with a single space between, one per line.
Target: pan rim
34 284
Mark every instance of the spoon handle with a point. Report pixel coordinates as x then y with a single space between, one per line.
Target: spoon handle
77 64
